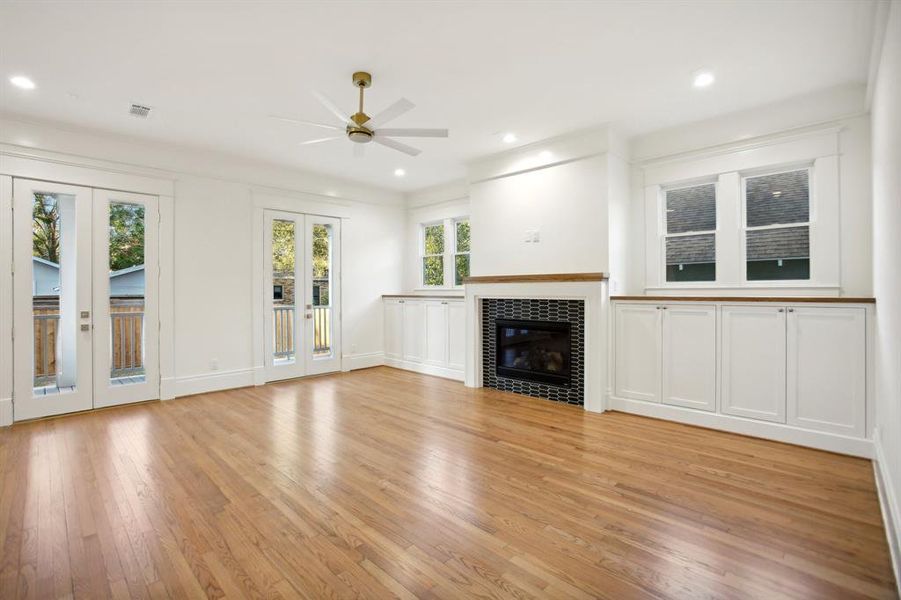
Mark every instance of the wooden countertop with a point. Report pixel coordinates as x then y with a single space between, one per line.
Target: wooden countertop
783 299
426 296
537 277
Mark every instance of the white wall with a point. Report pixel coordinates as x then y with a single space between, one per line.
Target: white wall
886 119
213 224
754 129
559 189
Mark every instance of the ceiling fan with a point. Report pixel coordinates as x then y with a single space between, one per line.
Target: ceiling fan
361 129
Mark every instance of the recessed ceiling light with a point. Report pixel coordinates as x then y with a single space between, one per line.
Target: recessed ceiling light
545 155
703 79
20 81
399 172
509 138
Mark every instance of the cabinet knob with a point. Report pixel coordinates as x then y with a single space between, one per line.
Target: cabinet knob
791 310
781 310
664 308
400 301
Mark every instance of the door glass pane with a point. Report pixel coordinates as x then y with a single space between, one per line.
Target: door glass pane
126 290
54 293
283 313
322 286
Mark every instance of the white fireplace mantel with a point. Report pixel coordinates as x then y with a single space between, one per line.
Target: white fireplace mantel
588 287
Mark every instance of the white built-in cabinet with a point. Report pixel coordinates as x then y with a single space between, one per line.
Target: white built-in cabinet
689 356
754 362
793 372
668 356
637 355
426 335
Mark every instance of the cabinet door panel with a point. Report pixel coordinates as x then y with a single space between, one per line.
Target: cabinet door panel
637 356
689 356
753 362
394 329
827 369
414 331
456 335
436 333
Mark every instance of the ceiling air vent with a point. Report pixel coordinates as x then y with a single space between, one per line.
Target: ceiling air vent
139 110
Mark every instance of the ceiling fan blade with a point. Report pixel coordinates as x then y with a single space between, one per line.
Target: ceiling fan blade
320 140
333 108
359 150
390 113
302 122
394 144
412 132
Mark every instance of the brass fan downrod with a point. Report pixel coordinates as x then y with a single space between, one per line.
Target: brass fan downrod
360 134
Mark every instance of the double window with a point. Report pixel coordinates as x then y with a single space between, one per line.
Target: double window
445 264
774 228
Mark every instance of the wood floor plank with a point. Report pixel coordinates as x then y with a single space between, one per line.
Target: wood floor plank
389 484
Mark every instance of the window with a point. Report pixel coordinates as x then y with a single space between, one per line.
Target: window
777 226
690 239
433 255
461 250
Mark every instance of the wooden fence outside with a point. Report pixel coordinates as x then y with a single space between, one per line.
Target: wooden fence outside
127 343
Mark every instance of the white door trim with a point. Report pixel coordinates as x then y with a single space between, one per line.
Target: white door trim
6 300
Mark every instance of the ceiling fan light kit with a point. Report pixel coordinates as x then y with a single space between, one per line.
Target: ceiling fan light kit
360 128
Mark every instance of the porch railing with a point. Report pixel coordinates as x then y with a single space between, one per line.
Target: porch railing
284 342
127 333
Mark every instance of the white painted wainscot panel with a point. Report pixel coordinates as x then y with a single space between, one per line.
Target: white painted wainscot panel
426 335
783 369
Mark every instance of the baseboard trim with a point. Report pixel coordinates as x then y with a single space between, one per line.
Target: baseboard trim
6 412
212 382
771 431
167 388
424 368
888 502
352 362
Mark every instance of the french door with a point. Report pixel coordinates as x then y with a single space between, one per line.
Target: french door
85 298
302 291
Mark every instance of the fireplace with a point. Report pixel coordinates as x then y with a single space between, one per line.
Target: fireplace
533 351
534 346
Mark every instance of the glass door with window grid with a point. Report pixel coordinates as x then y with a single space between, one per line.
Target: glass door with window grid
322 294
80 256
302 294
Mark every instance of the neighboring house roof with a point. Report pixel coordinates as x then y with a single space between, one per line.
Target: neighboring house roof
781 198
44 261
126 271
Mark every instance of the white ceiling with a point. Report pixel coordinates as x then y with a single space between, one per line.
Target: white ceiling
213 71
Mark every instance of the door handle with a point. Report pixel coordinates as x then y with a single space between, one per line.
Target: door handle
85 327
85 314
308 316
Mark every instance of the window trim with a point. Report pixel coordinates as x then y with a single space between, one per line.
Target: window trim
423 255
743 227
664 236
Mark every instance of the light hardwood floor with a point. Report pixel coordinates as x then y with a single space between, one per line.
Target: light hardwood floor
383 483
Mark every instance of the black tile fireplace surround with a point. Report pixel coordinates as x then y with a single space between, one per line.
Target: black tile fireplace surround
535 358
